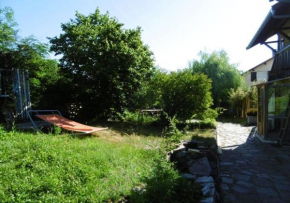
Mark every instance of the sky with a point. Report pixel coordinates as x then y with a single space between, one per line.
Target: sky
175 31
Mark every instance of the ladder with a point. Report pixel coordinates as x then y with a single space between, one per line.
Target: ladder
284 126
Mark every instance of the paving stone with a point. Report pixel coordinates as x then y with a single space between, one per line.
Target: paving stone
248 198
272 200
245 172
207 200
267 191
204 179
262 182
223 163
225 175
243 177
282 187
285 196
241 162
224 186
230 198
277 177
201 167
240 189
253 171
246 184
227 180
188 176
262 175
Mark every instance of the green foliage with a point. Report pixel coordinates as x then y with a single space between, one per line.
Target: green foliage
137 117
252 112
202 124
237 96
185 95
150 93
165 185
43 168
44 73
107 63
224 75
29 54
8 34
253 95
210 114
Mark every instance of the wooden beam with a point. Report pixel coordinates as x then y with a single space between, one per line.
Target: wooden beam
284 35
284 28
270 42
274 50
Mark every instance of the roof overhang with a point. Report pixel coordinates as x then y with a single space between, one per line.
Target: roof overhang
273 21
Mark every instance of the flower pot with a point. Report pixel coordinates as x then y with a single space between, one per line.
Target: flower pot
252 119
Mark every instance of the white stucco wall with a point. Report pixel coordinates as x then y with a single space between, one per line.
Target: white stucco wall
261 70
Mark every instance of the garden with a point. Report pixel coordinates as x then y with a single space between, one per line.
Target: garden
105 77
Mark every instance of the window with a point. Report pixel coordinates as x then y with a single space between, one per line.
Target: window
253 76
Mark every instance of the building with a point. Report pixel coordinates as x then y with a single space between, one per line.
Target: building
273 95
259 73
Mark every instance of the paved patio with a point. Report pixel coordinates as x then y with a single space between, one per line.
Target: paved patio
250 170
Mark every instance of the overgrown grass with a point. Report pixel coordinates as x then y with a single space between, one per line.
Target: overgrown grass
106 167
207 136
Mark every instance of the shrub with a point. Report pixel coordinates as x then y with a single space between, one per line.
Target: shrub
136 117
185 95
252 112
203 124
210 114
165 185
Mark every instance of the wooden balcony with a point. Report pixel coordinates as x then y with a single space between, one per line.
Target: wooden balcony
281 65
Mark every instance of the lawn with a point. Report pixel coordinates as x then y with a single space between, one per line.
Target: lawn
108 166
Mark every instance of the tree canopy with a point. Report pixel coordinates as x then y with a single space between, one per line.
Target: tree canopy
185 95
106 62
29 54
224 75
8 34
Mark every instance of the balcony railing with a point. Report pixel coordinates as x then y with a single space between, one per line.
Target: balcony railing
281 65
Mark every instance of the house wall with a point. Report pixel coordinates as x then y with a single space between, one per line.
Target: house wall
262 72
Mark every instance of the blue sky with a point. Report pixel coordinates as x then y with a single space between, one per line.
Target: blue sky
174 30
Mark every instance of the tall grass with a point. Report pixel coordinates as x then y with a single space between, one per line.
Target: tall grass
36 167
63 168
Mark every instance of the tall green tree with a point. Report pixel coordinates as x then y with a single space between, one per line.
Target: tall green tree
224 75
106 62
8 33
29 54
185 95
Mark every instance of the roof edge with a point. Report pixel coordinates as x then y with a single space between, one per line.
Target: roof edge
266 20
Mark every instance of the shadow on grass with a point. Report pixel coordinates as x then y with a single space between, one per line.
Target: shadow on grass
126 128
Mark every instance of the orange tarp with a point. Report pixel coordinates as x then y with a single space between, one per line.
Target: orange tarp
68 124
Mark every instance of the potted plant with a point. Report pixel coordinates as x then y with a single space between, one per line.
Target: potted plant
252 116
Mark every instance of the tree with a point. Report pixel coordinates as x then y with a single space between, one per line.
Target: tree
150 93
185 95
224 75
29 54
106 62
32 55
8 35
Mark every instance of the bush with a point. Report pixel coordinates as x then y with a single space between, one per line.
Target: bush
210 114
165 185
185 95
136 117
203 124
252 112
